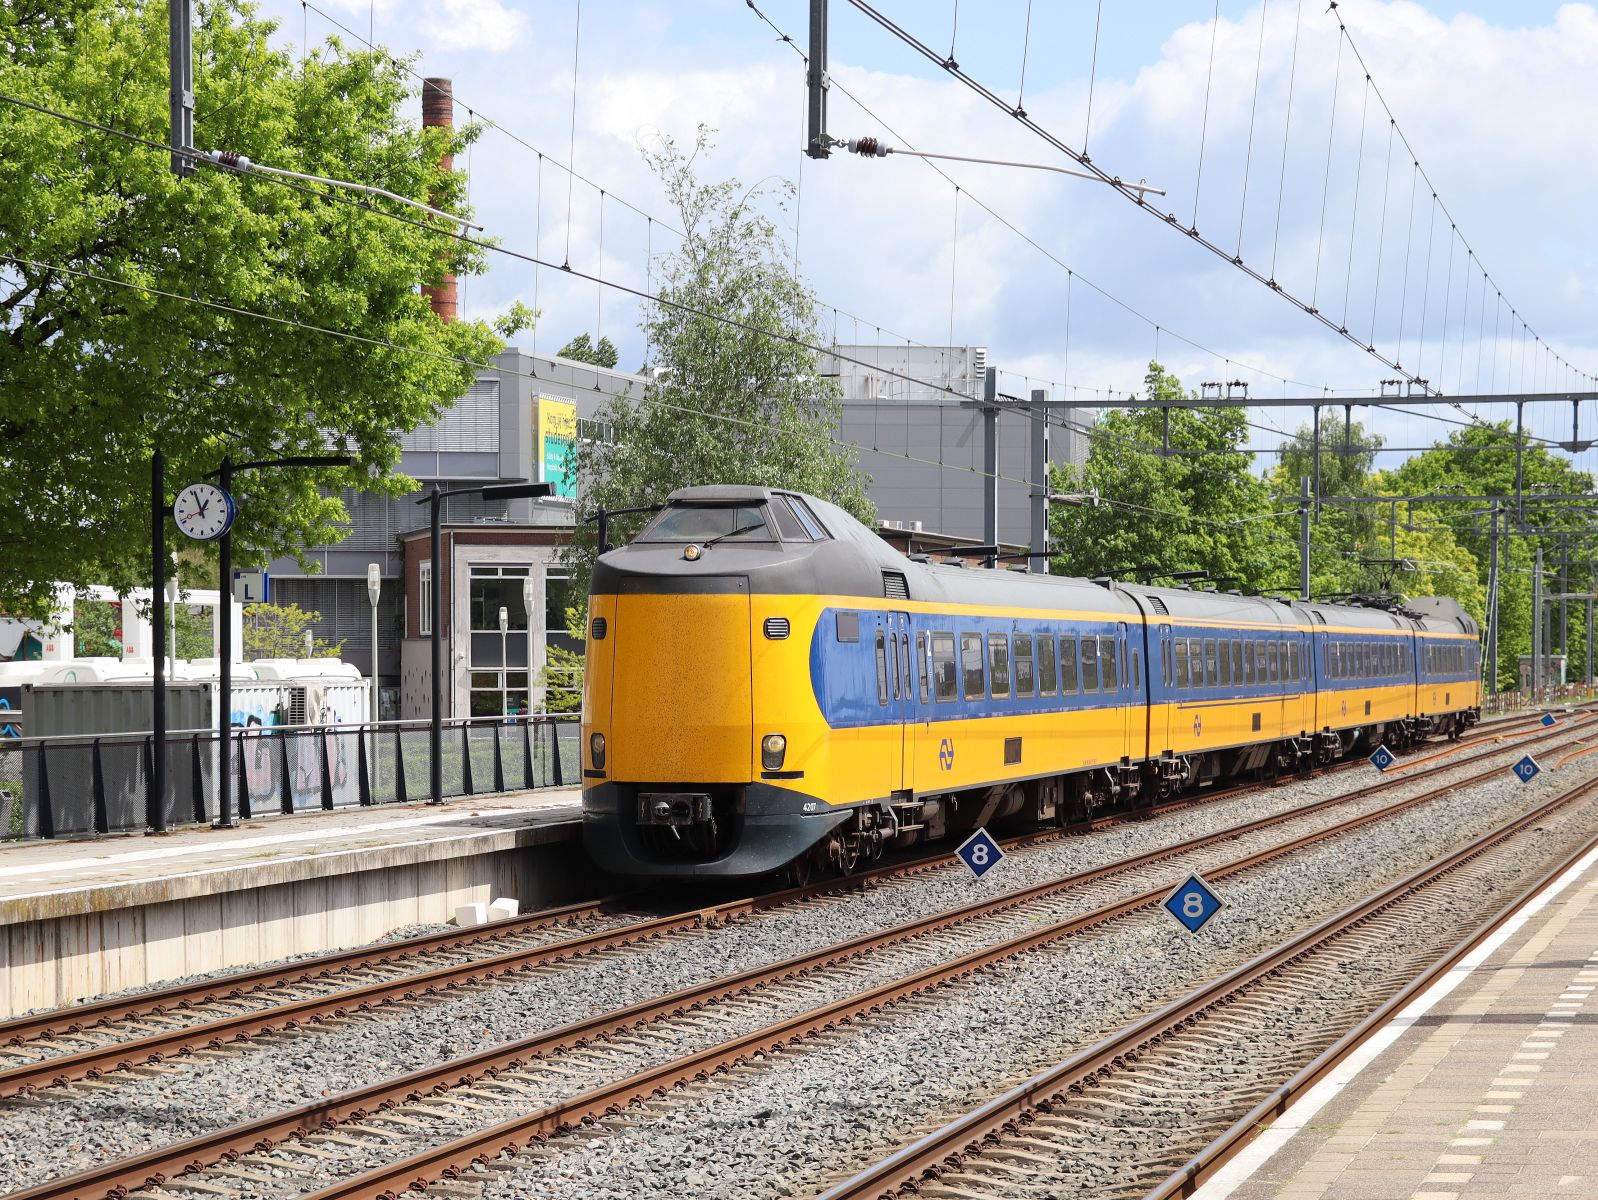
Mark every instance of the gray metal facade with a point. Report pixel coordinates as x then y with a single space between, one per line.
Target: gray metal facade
488 435
922 443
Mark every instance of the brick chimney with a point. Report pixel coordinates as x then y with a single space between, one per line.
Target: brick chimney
438 109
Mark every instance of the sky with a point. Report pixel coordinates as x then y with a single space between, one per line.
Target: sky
1256 119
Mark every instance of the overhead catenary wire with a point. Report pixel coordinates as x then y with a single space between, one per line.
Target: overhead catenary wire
1233 256
1026 238
488 122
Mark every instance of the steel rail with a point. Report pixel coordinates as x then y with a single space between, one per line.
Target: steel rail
92 1061
965 1136
1187 1178
74 1019
139 1170
449 1159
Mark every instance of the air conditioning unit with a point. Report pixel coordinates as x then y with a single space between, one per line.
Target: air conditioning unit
915 526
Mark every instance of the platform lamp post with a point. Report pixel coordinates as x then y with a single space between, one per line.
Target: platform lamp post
519 490
504 673
224 667
526 625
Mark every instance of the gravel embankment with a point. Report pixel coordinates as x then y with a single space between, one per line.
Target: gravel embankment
279 1073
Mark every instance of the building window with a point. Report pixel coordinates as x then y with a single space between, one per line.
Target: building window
424 600
557 599
499 658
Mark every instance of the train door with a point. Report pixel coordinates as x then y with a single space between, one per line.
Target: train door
905 709
1301 718
1159 691
1126 698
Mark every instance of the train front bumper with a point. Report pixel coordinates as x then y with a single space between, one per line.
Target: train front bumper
773 829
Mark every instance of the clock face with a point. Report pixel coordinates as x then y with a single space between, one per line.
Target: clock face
203 511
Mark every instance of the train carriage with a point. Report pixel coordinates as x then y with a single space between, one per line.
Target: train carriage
770 686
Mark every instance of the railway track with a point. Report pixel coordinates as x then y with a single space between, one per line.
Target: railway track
217 1015
511 1076
1121 1117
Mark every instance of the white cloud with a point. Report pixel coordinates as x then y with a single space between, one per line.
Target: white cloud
474 25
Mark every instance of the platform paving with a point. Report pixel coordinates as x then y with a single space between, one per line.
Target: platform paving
81 918
1493 1091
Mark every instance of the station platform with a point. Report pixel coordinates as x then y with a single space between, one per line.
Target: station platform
1486 1085
82 918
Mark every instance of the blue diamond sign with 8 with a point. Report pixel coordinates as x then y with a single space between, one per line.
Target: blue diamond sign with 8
1527 769
1193 903
980 853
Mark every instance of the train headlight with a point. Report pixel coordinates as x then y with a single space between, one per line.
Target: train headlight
596 750
772 749
691 552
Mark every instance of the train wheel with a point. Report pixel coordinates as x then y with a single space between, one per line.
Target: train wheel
801 872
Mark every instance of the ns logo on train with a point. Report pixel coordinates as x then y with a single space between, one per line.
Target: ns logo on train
946 754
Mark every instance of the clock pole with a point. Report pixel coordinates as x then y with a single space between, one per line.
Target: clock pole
155 798
224 665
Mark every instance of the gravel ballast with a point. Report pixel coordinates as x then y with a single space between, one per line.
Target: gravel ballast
279 1073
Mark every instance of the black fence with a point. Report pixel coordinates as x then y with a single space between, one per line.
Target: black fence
84 785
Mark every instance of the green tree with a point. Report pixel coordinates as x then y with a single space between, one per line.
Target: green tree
582 349
562 674
278 631
96 628
726 403
1480 460
1198 508
104 352
1342 531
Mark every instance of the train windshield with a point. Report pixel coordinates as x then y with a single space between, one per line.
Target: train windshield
701 522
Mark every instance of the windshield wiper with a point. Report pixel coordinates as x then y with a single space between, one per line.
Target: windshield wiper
734 533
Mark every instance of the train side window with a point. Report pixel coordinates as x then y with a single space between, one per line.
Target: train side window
1090 663
1245 668
921 660
787 524
904 664
1273 661
1137 668
1181 663
1237 662
1023 664
1068 672
808 519
1260 675
1211 670
945 679
971 666
848 627
1167 667
1298 669
1109 680
1195 662
1224 661
999 664
893 663
882 670
1048 675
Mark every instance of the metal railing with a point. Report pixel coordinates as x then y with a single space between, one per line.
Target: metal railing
86 785
1566 693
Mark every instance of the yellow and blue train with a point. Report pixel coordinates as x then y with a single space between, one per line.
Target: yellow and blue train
771 687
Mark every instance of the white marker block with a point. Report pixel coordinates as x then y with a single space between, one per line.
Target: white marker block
504 907
468 915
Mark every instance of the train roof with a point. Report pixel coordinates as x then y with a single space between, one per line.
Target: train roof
854 560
